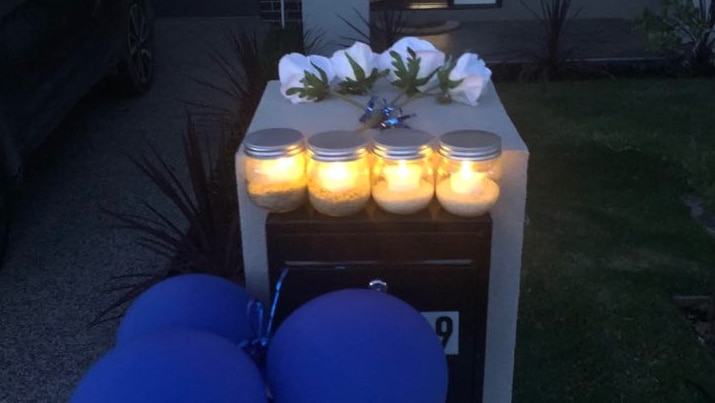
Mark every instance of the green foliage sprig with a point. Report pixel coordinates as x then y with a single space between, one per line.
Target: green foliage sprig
407 72
445 83
314 88
363 83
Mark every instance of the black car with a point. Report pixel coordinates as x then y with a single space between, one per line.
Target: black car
51 53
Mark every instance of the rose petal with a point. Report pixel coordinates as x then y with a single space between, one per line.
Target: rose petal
413 43
363 56
293 82
470 64
469 90
324 64
417 45
430 61
341 66
360 53
292 64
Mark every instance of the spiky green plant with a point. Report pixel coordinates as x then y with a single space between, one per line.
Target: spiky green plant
554 17
683 28
244 71
209 238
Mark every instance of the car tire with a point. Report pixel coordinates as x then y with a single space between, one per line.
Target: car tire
135 71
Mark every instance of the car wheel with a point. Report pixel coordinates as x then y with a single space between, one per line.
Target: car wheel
135 71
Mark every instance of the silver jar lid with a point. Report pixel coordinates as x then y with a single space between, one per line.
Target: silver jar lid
336 145
402 144
470 145
273 143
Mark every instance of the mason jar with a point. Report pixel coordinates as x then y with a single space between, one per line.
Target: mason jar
403 174
275 169
338 173
468 172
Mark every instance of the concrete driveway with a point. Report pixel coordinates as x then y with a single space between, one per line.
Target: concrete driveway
63 248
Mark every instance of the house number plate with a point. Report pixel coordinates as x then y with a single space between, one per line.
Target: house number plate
446 326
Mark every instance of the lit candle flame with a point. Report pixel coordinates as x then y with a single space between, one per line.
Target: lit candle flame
287 169
337 176
467 180
403 177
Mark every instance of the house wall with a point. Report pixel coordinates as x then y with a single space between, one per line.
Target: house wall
204 8
270 10
509 10
515 10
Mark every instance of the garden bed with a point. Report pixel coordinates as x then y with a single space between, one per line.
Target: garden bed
637 68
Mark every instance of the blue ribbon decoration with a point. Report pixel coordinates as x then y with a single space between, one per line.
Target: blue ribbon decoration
396 122
258 347
387 110
367 114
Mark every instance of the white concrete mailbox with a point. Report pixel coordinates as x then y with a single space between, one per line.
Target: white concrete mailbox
507 215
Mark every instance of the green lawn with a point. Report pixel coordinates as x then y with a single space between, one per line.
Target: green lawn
609 242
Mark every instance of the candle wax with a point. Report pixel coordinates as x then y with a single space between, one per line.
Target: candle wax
467 181
279 170
403 177
403 202
336 176
468 205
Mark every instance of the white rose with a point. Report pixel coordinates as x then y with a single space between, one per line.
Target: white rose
472 74
430 59
361 54
305 78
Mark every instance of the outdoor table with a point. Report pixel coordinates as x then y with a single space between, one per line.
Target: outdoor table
507 215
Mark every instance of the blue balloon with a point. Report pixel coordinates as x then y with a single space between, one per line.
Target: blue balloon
173 367
356 346
190 301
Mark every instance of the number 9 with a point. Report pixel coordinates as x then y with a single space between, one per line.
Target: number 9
444 326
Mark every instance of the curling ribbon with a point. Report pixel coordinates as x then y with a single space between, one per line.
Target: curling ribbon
388 121
258 347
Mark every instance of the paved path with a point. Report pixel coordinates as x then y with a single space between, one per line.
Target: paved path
63 250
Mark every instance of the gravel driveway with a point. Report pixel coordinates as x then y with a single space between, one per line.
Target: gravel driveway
63 249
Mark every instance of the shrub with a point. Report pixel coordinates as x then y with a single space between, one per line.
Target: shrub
684 29
554 17
208 237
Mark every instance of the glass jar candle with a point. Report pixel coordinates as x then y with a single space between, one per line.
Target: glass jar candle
338 173
403 177
275 169
468 172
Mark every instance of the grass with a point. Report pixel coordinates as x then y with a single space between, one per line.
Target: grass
609 241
